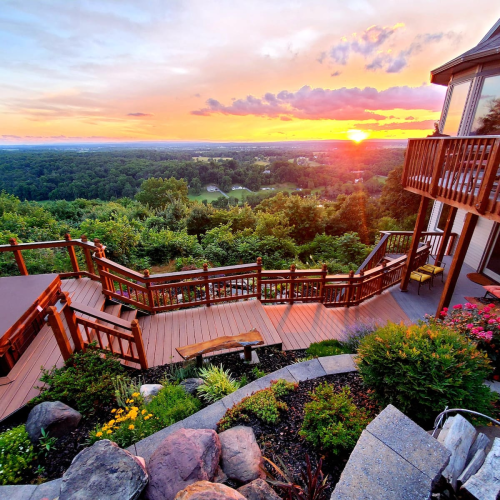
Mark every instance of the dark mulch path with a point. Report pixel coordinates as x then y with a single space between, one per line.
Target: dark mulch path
282 439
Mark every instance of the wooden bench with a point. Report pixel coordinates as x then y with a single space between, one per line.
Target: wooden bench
245 340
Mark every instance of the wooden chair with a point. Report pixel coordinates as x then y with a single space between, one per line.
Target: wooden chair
433 271
421 278
245 340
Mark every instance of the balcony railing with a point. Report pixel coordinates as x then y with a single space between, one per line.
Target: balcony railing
460 171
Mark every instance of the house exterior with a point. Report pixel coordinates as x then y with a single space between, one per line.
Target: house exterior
472 108
458 167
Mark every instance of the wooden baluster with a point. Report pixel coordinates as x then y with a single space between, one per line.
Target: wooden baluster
88 256
70 316
19 258
105 281
136 332
382 274
436 170
324 271
205 284
259 278
292 283
56 324
350 289
72 254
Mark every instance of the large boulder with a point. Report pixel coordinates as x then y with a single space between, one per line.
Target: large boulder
56 418
104 471
183 458
204 490
241 457
149 391
258 490
191 385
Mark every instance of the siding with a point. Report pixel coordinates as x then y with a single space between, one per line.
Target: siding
478 243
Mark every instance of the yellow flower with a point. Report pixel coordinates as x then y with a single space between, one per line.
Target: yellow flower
135 408
146 418
113 410
131 427
111 422
150 415
110 432
120 410
135 395
143 412
98 434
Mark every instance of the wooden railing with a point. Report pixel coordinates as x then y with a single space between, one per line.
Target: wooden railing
163 292
88 248
397 243
122 338
460 171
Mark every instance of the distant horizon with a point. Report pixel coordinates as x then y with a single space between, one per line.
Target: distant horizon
102 71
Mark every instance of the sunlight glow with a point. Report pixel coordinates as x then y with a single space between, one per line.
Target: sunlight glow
356 135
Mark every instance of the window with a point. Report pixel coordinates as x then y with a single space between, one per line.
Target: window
443 217
456 108
487 117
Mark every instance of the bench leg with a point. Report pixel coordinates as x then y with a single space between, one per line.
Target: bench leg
248 353
199 361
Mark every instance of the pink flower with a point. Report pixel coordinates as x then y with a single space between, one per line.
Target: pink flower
445 309
469 326
491 321
486 316
443 312
468 305
457 306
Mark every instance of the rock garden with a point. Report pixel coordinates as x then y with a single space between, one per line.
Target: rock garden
329 421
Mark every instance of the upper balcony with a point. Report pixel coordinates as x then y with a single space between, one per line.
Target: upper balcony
463 172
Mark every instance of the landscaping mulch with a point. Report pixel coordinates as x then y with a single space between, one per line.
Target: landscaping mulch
281 441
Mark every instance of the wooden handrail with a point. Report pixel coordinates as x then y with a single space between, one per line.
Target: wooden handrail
101 315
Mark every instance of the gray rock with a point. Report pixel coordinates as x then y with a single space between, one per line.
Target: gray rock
481 442
473 466
409 440
485 485
56 418
183 458
258 490
204 490
458 436
374 471
206 418
49 490
17 492
241 457
149 391
191 384
104 469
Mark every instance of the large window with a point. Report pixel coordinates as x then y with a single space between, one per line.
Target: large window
456 108
487 117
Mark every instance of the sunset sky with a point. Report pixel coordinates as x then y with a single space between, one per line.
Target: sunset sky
189 70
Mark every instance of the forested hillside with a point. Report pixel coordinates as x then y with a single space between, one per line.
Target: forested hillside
162 228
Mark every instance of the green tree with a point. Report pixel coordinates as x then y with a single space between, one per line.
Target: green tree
157 192
195 185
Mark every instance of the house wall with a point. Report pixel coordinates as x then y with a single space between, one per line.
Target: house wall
479 240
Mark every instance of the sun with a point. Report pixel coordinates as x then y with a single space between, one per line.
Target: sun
356 135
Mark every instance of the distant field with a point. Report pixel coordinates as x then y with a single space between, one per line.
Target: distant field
262 163
208 158
205 195
381 178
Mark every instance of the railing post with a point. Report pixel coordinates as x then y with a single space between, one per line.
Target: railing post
324 270
205 284
70 316
436 169
136 332
72 254
56 324
361 285
350 289
19 258
87 255
490 175
292 283
382 274
259 278
151 301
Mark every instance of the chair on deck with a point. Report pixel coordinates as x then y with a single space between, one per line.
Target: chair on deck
493 290
433 271
421 278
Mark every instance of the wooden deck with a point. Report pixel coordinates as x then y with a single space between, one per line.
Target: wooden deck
293 326
43 351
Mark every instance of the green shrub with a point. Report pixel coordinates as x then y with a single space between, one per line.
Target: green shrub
423 368
327 348
264 404
16 454
172 404
84 382
137 420
332 422
217 383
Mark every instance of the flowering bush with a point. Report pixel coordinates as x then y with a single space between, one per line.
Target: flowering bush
16 454
137 420
478 324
